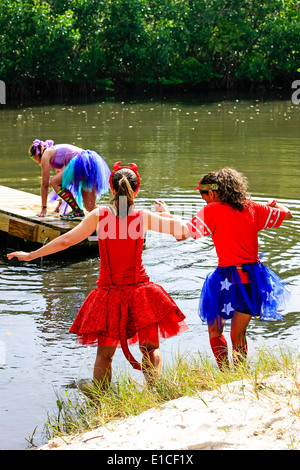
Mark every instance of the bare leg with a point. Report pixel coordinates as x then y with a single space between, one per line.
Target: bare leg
103 365
151 362
89 200
239 325
58 205
56 181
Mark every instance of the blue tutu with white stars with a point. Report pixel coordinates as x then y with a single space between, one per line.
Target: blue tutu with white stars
265 295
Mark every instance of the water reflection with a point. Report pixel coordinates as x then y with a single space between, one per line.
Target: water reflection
173 143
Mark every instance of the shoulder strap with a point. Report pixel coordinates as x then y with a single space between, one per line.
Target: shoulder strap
103 211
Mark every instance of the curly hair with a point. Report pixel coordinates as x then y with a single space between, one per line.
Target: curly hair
232 186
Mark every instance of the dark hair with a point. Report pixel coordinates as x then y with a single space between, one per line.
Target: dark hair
124 182
32 150
232 186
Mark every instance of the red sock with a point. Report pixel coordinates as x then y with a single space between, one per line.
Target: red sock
220 350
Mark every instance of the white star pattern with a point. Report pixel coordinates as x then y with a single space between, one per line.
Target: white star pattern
227 308
226 284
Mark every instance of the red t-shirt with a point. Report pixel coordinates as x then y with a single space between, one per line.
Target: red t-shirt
234 232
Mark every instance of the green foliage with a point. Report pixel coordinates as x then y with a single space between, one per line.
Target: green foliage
172 42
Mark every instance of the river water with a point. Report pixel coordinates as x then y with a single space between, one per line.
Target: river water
173 143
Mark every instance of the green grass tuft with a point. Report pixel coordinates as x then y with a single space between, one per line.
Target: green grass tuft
185 376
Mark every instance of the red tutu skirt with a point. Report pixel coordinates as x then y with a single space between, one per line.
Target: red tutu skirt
122 315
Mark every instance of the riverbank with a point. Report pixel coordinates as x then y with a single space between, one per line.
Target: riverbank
167 45
259 414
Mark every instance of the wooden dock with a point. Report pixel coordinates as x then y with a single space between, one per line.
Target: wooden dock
18 218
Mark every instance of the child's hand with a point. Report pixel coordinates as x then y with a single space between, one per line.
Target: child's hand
161 206
272 202
21 255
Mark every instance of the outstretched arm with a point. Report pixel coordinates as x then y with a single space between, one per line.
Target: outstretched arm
162 210
45 166
165 223
74 236
288 214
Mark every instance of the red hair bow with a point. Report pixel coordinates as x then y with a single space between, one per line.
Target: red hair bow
117 166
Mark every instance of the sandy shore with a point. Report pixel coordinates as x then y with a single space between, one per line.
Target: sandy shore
236 416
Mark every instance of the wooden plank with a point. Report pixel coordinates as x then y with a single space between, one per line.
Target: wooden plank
45 234
22 229
4 223
18 218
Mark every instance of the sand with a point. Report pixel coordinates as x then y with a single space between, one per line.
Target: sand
238 416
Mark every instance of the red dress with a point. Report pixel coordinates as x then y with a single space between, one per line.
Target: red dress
126 305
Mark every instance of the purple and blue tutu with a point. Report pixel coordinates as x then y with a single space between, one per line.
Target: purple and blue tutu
265 295
86 171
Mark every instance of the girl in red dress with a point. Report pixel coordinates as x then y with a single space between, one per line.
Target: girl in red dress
126 306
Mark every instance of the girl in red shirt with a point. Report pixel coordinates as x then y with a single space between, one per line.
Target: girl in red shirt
241 286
